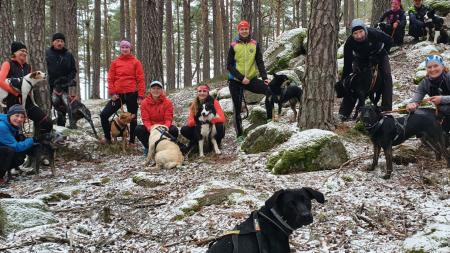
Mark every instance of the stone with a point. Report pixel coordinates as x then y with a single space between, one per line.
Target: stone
227 107
423 49
420 75
309 150
442 7
223 93
292 75
297 61
147 181
435 238
266 137
54 197
252 98
340 66
257 115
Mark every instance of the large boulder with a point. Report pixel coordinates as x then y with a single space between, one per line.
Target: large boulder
309 150
287 46
265 137
434 238
252 98
293 75
227 106
442 7
19 214
223 93
423 49
297 61
256 118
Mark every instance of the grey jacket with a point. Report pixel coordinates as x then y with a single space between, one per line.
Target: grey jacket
425 88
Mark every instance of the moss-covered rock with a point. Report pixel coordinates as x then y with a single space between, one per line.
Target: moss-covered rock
309 150
423 49
54 197
19 214
420 75
287 46
442 7
434 238
265 137
292 74
257 115
147 181
223 93
297 61
252 98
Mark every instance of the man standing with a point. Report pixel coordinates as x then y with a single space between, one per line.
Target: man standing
244 62
62 72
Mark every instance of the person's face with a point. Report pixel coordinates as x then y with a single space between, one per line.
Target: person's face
17 119
395 5
21 55
125 50
202 94
417 3
244 32
156 91
58 44
359 35
434 69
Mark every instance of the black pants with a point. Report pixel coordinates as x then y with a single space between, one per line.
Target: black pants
192 136
10 159
417 29
384 72
130 99
142 134
237 92
398 35
41 121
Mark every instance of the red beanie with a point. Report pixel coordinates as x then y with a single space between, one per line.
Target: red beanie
243 24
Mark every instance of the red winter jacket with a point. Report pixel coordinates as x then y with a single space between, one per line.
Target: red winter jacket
126 75
220 117
156 112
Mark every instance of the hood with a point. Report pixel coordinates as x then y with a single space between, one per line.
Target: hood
4 118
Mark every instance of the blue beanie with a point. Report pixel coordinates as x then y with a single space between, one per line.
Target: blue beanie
16 109
435 58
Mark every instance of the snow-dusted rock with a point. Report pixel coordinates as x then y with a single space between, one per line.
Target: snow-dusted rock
309 150
223 93
434 238
423 49
227 106
54 197
297 61
420 75
147 180
340 66
252 98
19 214
286 47
257 115
442 7
265 137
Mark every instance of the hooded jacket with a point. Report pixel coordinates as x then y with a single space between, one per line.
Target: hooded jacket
158 111
126 75
426 87
220 116
8 135
60 63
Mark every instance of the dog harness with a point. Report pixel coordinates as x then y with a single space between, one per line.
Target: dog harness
165 135
399 127
120 126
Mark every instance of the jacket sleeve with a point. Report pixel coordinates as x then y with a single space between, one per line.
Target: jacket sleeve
420 92
383 37
112 79
348 59
231 65
260 63
402 19
168 114
8 139
73 69
145 115
220 116
383 16
191 118
3 74
140 79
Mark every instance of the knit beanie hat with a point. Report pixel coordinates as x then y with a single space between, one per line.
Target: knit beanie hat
16 109
16 46
358 24
59 36
243 24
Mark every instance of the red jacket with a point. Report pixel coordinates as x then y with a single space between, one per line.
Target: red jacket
220 117
126 75
156 112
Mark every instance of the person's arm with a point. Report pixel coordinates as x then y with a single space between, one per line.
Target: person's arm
419 93
140 79
112 79
383 37
8 139
168 114
348 59
145 115
220 116
73 71
231 65
191 117
4 70
402 20
260 63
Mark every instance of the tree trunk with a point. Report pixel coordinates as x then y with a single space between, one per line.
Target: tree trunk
61 16
178 46
152 39
72 37
304 14
19 29
231 22
133 22
106 45
351 13
217 37
279 14
378 8
96 51
226 38
139 6
37 36
345 15
247 10
170 54
187 43
127 19
122 20
197 53
205 25
318 96
6 29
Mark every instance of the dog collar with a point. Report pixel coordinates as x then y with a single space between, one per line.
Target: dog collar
286 228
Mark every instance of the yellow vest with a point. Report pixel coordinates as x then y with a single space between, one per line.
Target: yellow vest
244 55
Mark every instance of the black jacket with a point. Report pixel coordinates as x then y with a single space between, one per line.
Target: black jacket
417 15
391 17
376 44
60 63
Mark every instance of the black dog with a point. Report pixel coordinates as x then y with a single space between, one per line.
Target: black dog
283 91
443 36
386 131
267 229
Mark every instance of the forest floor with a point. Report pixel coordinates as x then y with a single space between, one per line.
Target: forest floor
107 212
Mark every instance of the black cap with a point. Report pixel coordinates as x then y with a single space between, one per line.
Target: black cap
57 36
16 46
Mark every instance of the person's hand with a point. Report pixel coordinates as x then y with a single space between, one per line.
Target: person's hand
266 81
411 106
245 81
139 100
435 100
395 25
114 97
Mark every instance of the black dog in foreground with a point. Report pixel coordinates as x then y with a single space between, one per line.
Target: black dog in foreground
386 131
283 91
267 230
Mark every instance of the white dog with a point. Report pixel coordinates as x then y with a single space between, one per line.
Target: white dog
205 129
165 152
28 82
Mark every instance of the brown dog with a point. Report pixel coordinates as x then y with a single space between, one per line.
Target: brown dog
119 127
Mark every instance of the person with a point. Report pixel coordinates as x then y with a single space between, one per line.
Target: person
436 84
155 109
125 85
62 71
12 151
393 22
243 63
203 97
15 68
363 48
417 22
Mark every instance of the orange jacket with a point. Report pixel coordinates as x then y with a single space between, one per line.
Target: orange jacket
126 75
158 111
3 74
220 116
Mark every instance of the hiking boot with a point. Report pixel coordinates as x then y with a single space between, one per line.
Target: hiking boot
105 141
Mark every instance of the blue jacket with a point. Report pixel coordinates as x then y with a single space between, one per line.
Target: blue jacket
8 135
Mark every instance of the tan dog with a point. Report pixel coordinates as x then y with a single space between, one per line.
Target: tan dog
166 153
119 128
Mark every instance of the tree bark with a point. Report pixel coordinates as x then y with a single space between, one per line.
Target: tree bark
127 19
178 46
96 51
345 15
72 37
304 15
231 21
197 52
152 12
226 38
61 16
187 43
318 96
279 12
170 54
133 22
37 36
378 8
217 37
351 13
106 46
19 29
138 47
247 10
205 24
6 29
122 20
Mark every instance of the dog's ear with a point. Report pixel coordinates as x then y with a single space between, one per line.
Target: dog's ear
272 201
33 75
313 194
